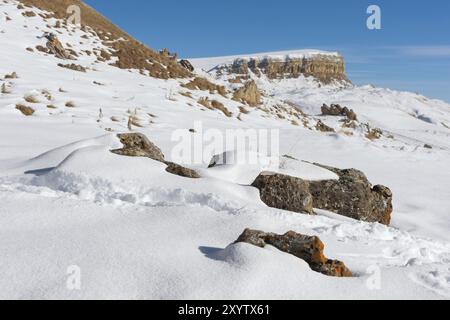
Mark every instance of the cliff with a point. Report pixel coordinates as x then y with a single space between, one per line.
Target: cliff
325 67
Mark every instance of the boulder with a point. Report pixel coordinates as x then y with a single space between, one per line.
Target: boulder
181 171
336 110
138 145
284 192
310 249
322 127
187 65
353 196
249 94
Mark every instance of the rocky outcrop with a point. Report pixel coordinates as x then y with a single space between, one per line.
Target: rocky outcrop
128 52
181 171
284 192
309 249
138 145
248 94
203 84
325 68
322 127
352 195
337 111
187 65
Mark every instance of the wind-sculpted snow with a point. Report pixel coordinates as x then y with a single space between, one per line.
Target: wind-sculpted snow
139 232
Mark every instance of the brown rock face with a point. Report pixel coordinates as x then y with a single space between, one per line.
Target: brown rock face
249 94
324 68
284 192
336 110
353 196
181 171
309 249
130 53
137 145
322 127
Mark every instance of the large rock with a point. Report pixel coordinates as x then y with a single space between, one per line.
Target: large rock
138 145
284 192
249 94
309 249
353 196
336 110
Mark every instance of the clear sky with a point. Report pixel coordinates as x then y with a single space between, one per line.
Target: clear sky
411 51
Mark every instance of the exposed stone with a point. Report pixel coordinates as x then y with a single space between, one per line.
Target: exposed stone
309 249
187 65
353 196
138 145
373 133
320 126
26 111
72 66
336 110
325 68
284 192
249 94
205 85
181 171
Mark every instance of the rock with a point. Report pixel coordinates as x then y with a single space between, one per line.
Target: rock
428 146
309 249
373 133
26 111
187 65
284 192
324 68
73 66
336 111
138 145
203 84
320 126
249 94
181 171
353 196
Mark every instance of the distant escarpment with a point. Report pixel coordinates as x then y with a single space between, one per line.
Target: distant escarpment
324 67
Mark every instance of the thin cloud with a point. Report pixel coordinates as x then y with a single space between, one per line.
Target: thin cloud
425 51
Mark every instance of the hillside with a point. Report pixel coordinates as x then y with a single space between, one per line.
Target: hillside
154 227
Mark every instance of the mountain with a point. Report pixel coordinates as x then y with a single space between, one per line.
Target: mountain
75 196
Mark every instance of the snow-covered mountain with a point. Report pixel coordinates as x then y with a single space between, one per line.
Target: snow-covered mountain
136 231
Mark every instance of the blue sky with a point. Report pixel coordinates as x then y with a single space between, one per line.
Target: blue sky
411 51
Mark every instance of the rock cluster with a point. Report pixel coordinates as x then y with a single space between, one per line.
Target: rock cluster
324 68
336 110
138 145
309 249
352 195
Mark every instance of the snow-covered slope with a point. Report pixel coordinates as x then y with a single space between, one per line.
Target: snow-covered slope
136 231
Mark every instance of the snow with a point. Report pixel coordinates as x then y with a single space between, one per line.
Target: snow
138 232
